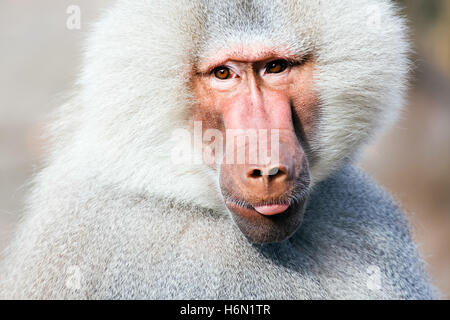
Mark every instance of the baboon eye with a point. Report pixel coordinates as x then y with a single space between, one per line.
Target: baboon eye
276 66
222 73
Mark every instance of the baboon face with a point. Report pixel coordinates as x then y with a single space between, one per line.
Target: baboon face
263 102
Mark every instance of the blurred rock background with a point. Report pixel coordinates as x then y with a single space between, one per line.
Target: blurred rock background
40 58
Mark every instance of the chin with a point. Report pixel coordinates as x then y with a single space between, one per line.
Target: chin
267 228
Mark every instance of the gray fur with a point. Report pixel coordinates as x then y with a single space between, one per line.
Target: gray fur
110 217
129 245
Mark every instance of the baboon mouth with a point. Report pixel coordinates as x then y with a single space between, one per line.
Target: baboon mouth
268 222
270 206
270 210
267 208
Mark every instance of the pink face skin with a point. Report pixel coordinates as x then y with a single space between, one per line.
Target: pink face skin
261 88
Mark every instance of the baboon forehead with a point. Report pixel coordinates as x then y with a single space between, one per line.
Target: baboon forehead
230 23
241 15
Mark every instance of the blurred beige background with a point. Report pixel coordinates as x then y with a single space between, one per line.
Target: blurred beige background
40 58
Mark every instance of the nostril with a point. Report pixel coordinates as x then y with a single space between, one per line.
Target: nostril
273 173
276 172
255 173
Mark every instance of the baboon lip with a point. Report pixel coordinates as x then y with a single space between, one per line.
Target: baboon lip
268 206
273 209
262 207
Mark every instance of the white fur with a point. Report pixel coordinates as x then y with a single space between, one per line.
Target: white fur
134 88
92 205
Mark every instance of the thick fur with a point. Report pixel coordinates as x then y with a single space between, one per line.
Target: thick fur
130 245
112 205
